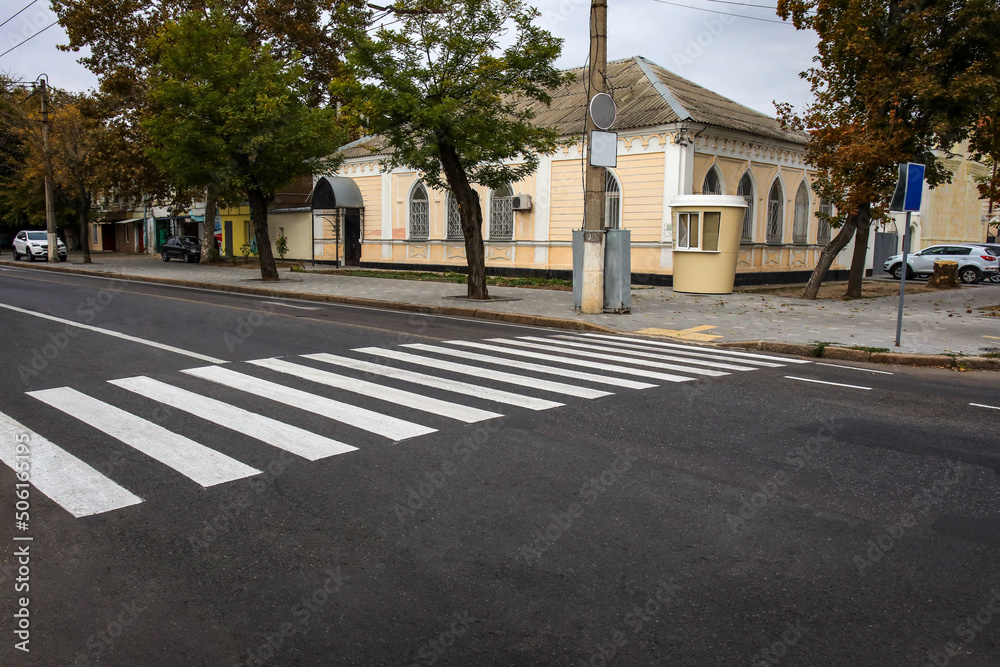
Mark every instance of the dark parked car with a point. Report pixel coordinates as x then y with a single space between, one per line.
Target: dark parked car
187 248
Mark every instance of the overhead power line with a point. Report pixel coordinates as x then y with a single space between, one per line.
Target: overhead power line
18 12
715 11
745 4
28 39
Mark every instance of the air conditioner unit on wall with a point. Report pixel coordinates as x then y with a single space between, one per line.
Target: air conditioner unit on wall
521 202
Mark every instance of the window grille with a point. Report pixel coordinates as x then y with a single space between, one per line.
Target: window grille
454 232
823 233
612 201
745 190
775 213
800 224
713 183
501 214
420 218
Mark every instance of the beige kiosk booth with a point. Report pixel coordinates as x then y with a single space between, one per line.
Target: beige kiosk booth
707 230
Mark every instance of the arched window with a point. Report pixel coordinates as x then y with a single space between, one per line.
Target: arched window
454 221
745 190
612 200
713 182
501 214
823 233
420 213
800 221
775 213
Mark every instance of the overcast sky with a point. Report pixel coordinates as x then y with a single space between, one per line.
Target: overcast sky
751 62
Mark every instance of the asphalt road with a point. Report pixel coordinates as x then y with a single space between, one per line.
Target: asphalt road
750 517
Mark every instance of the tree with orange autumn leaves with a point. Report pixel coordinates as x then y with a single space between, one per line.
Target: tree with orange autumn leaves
895 81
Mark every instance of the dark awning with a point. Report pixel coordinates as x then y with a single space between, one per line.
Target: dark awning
337 192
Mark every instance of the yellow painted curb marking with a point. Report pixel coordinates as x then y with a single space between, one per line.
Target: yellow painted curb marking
683 334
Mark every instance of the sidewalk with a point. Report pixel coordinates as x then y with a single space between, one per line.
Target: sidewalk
936 323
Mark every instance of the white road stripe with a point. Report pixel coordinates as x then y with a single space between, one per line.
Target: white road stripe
290 438
609 357
715 351
289 305
57 474
487 373
835 384
980 405
409 399
528 366
198 462
853 368
368 420
117 334
601 346
464 388
593 365
684 353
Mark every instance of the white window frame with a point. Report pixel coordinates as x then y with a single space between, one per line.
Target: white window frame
612 199
703 219
495 200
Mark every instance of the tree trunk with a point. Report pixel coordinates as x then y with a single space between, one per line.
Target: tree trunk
83 212
471 215
258 209
208 227
857 274
828 254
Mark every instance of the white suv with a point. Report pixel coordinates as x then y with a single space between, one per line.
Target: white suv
974 262
35 245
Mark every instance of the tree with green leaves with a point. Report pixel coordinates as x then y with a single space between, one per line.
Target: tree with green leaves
440 91
896 81
232 113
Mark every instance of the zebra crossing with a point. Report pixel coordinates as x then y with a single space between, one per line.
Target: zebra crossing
534 373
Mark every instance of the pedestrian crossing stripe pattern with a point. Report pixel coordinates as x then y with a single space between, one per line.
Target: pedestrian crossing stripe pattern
535 371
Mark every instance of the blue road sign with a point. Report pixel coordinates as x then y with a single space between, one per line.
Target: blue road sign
909 187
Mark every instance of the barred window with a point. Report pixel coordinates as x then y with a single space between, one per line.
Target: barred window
420 218
713 182
612 201
454 232
501 214
800 223
825 209
775 213
745 190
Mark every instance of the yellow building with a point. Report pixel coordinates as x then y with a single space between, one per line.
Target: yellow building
236 230
674 138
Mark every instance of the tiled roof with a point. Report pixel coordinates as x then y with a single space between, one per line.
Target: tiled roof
646 95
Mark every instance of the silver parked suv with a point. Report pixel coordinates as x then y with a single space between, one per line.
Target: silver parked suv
975 262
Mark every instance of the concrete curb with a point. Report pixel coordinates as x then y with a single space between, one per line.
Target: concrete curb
849 354
454 311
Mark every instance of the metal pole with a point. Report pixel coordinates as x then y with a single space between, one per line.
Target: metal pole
902 278
50 211
593 224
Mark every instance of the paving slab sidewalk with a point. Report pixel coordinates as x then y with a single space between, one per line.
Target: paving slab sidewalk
948 321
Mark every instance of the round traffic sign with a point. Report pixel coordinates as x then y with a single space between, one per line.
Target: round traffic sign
603 110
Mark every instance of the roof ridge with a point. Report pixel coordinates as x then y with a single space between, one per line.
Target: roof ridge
662 88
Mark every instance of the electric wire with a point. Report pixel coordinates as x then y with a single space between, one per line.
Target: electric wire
18 12
715 11
745 4
23 41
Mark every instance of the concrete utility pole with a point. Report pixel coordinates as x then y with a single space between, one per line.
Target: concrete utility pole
50 212
593 223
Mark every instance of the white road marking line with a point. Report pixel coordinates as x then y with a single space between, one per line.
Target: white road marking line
593 365
368 420
196 461
528 366
601 346
117 334
980 405
684 353
409 399
715 351
487 373
854 368
835 384
289 305
57 474
609 357
465 388
290 438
